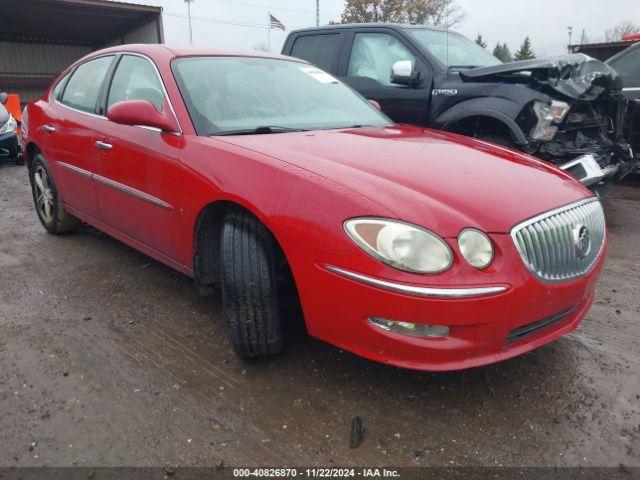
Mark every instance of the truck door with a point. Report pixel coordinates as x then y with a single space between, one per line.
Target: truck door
367 68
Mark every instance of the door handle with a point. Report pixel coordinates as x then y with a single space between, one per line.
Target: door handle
49 128
103 145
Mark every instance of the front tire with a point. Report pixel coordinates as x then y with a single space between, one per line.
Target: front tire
250 287
51 212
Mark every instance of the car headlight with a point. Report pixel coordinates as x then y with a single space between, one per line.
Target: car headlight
476 247
401 245
10 126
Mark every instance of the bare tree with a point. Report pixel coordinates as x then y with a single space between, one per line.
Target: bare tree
624 28
444 13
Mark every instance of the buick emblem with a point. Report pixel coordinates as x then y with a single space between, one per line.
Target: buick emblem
582 240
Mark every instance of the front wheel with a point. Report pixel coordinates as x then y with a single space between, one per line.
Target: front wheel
250 287
51 212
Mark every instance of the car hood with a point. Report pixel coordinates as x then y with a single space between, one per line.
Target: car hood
576 76
440 181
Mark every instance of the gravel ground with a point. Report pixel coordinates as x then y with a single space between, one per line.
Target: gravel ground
110 358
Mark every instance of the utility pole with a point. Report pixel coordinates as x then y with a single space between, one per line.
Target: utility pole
317 13
188 2
570 31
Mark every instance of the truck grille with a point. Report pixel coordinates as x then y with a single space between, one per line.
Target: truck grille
562 244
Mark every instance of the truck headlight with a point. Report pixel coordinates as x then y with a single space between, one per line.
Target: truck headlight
401 245
476 247
10 126
548 114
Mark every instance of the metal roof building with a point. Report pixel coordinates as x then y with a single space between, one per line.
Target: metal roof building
39 38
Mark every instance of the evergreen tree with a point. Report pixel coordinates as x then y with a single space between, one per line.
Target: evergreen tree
525 52
502 52
481 41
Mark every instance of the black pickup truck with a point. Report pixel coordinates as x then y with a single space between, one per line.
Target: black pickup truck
627 64
567 110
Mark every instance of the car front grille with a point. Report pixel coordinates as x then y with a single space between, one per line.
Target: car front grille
562 244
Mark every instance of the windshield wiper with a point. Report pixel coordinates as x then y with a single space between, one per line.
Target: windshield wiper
258 130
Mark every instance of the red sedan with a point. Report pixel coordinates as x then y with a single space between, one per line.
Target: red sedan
268 180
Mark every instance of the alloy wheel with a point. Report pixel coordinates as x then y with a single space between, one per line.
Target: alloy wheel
44 194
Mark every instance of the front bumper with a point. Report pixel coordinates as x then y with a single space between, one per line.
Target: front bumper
9 146
484 328
587 170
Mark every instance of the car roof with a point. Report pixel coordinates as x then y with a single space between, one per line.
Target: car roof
347 26
156 50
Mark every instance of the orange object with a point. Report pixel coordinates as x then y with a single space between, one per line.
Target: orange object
13 106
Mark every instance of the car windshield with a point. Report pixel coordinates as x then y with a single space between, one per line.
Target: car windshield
227 95
453 50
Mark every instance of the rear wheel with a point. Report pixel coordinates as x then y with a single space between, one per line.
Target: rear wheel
51 212
250 287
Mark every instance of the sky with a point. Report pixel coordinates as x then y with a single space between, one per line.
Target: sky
241 24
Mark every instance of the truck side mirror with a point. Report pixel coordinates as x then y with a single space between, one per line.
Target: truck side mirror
402 73
3 98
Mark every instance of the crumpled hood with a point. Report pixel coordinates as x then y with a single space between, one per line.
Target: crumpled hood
576 76
441 181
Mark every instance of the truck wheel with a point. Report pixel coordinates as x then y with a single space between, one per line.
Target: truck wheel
51 212
249 287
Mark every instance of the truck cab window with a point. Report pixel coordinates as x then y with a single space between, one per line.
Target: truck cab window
374 54
321 50
628 66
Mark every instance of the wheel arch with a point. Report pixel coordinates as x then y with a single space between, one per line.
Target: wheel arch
30 152
500 110
206 241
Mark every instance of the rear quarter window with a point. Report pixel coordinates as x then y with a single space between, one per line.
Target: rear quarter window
320 50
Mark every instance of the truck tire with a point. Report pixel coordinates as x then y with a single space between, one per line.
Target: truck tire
51 212
249 287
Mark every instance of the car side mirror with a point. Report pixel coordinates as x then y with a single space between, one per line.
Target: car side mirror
3 98
402 73
141 113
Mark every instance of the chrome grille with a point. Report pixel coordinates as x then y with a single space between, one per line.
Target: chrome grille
552 245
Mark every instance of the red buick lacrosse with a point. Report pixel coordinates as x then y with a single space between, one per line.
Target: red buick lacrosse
271 182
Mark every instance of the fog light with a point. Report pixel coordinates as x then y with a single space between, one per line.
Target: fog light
410 329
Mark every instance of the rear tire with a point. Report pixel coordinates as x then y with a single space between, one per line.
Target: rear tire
250 287
51 212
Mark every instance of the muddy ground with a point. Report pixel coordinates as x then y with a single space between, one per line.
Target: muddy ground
110 358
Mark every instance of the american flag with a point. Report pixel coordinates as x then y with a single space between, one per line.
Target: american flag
275 23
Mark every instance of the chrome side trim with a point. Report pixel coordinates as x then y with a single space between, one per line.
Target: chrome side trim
631 89
117 186
416 290
132 191
78 170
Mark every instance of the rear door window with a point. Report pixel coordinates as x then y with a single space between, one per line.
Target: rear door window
321 50
136 79
83 87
